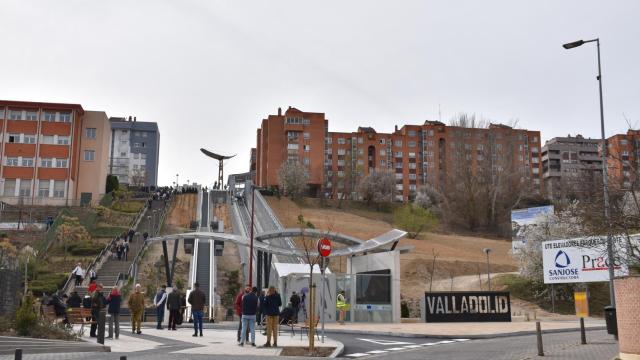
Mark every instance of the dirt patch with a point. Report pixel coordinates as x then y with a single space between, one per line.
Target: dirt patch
229 276
457 255
304 351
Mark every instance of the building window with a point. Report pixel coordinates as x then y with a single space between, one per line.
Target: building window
1 113
360 151
412 165
135 167
307 148
360 140
292 135
43 188
397 143
144 134
342 151
328 140
25 187
382 141
398 165
14 138
398 176
11 161
49 116
27 162
47 139
411 144
15 114
89 155
383 163
411 133
143 156
65 117
413 176
137 145
341 141
305 161
61 163
412 154
398 154
292 146
91 133
46 162
58 189
32 115
306 135
136 156
123 154
63 140
29 139
10 187
383 152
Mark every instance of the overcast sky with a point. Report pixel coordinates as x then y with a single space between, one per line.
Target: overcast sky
209 71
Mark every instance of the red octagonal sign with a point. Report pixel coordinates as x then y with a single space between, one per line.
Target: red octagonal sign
324 247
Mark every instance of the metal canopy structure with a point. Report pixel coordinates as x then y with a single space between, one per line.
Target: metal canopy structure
356 246
221 159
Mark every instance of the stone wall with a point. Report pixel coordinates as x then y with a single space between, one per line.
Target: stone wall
10 286
628 314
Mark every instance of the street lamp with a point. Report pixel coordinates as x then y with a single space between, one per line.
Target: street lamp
605 177
487 251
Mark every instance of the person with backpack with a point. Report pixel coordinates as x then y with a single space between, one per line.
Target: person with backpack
114 300
160 301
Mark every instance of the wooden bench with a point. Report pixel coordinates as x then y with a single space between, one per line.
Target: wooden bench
306 327
79 316
49 314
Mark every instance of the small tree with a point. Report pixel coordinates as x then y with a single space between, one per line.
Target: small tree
293 178
71 231
414 219
112 183
377 187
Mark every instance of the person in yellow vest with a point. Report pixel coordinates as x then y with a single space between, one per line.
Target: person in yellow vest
136 306
342 306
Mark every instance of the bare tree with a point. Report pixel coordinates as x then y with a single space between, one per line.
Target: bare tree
377 187
293 177
138 177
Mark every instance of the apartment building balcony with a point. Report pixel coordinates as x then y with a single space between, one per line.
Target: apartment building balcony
551 173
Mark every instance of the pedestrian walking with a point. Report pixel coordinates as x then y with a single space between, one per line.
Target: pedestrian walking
249 309
92 286
197 299
160 301
114 300
295 304
136 306
92 275
119 250
174 303
78 273
271 308
125 251
97 304
342 306
130 235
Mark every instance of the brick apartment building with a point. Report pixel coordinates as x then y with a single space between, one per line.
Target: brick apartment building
568 163
417 154
51 153
623 153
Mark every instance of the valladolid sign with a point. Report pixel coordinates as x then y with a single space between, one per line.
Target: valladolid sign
579 260
467 306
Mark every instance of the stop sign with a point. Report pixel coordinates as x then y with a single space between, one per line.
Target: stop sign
324 247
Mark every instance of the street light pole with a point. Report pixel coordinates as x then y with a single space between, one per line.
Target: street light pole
487 251
605 176
253 197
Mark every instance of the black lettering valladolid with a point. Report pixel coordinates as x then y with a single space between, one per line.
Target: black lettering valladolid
467 306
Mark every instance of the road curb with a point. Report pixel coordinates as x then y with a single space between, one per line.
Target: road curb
441 336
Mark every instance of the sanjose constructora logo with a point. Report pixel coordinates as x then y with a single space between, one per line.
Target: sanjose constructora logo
467 306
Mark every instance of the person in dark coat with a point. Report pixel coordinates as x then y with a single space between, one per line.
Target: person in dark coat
74 301
197 299
238 308
98 303
249 309
174 303
271 308
114 300
160 302
295 304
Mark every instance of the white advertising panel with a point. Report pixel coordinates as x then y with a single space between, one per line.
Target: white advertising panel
579 260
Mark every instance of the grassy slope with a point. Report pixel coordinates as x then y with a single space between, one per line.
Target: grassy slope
457 255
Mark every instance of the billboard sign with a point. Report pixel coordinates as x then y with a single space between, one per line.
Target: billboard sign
579 260
521 219
467 306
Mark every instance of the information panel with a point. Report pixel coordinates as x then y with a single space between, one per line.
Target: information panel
467 306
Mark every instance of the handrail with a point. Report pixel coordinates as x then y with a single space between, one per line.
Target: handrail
133 224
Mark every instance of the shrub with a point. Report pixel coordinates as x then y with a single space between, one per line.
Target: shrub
86 249
112 183
48 283
414 219
404 309
26 316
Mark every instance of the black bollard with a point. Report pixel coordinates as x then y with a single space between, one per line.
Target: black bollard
102 317
18 354
123 358
583 335
539 339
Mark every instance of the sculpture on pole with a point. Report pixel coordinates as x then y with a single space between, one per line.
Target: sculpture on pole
220 159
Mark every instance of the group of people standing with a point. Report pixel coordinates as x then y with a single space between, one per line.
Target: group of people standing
249 307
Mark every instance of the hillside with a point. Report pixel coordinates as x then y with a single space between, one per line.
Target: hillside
457 255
